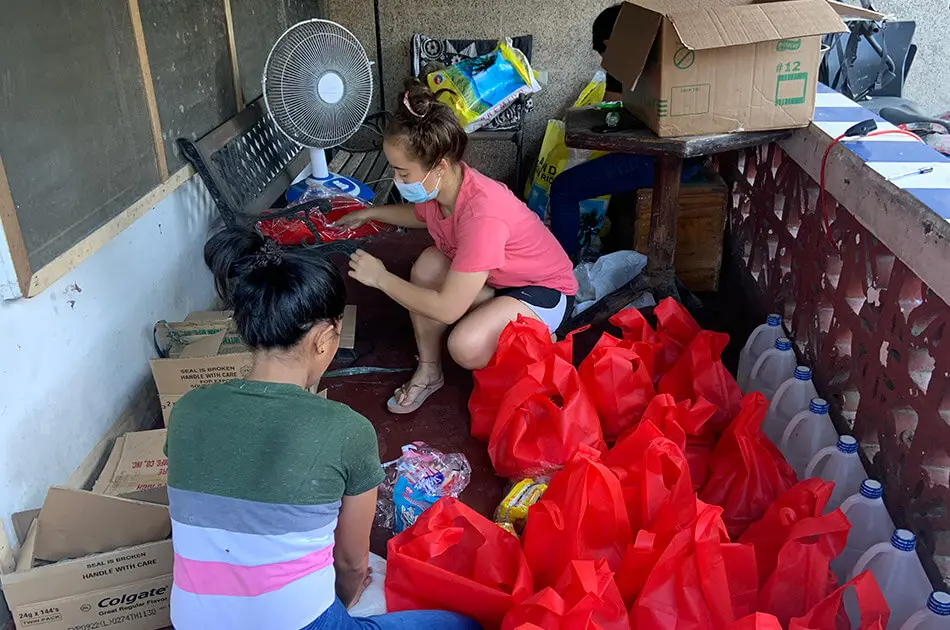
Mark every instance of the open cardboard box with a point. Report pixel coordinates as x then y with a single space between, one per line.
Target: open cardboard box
721 66
137 468
93 561
205 349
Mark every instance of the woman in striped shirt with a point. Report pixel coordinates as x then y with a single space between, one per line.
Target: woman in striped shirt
272 490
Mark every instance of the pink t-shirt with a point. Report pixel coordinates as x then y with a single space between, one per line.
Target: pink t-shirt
492 230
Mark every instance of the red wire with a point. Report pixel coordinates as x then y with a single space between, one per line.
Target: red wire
824 161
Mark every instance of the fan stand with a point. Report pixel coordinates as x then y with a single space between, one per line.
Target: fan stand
318 164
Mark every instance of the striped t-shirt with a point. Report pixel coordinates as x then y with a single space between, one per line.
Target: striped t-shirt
256 475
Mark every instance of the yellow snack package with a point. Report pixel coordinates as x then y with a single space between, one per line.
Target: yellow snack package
513 509
594 92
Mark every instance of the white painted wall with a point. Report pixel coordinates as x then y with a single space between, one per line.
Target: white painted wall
72 358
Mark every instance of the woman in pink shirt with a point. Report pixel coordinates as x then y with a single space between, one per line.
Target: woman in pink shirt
493 259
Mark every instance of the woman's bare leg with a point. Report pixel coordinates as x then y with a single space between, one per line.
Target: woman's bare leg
429 271
475 338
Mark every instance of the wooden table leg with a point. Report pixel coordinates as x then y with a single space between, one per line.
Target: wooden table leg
662 248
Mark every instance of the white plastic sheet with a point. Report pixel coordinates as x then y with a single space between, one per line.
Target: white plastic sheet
599 279
373 600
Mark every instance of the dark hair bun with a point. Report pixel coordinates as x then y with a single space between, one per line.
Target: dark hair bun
421 100
277 294
426 128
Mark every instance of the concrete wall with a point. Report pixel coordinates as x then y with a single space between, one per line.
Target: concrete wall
927 81
561 30
75 358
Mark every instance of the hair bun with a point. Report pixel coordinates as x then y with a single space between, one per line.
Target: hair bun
418 99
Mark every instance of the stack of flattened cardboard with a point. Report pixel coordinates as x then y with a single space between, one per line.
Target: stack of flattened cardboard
206 349
691 68
93 561
137 468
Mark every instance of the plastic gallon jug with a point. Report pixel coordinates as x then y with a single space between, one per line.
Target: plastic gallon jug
870 525
772 368
898 572
762 339
807 433
791 398
934 616
839 463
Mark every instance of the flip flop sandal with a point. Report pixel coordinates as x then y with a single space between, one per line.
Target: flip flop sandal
427 390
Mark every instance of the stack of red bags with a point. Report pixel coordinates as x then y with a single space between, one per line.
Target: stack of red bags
691 521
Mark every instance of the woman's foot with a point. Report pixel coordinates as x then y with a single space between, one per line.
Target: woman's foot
426 381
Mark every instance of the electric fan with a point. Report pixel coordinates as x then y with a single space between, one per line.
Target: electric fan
318 85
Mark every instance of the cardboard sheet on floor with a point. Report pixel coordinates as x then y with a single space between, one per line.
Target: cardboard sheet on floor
126 585
137 468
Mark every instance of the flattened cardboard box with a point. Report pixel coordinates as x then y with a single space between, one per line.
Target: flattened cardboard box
205 351
732 65
137 468
125 588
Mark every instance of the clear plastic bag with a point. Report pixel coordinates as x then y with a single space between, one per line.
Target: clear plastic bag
419 478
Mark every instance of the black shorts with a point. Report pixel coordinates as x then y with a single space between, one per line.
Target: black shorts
550 305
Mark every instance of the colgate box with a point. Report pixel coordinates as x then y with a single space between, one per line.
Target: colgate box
93 561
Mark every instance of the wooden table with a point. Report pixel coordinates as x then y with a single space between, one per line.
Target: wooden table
668 154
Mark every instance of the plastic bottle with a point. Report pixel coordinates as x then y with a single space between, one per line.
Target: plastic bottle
792 397
762 338
899 573
807 433
934 616
870 524
772 368
839 463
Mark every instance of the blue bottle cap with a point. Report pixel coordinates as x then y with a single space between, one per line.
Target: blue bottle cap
818 406
872 489
904 539
774 319
803 373
939 603
783 343
847 444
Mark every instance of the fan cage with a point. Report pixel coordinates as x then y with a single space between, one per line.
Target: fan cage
303 55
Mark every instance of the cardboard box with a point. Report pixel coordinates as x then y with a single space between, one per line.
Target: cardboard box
137 468
126 587
206 349
732 65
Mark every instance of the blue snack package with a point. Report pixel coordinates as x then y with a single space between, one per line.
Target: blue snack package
410 502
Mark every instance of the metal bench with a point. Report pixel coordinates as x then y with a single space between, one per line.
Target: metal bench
248 164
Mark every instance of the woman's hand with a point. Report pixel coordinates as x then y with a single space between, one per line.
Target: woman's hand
355 219
366 269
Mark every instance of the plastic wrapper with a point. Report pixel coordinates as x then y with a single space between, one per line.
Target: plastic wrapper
415 481
598 279
478 89
317 225
512 512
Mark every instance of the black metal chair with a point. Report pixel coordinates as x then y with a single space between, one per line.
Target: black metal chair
430 54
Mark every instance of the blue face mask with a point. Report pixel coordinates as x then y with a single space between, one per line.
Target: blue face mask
416 192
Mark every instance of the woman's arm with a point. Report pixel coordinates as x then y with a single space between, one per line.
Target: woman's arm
402 215
351 549
446 306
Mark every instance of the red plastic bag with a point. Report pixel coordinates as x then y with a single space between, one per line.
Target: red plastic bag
701 581
637 563
455 559
829 614
585 598
757 621
805 499
522 343
633 326
657 489
305 227
542 420
684 422
700 375
675 330
581 516
747 473
618 376
802 575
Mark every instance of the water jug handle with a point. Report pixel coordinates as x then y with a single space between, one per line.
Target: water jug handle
754 373
820 456
787 433
867 556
